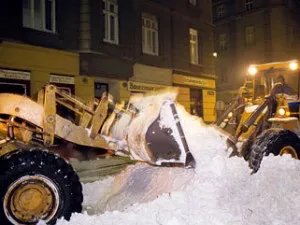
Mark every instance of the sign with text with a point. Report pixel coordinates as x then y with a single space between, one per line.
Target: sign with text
14 74
194 81
60 79
144 87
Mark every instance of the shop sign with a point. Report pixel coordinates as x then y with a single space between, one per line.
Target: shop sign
194 81
14 74
143 87
61 79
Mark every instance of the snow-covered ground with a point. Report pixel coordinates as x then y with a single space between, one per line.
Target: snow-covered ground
220 191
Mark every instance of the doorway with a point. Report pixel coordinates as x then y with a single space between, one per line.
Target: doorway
196 101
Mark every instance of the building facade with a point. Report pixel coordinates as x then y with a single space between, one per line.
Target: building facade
252 32
122 47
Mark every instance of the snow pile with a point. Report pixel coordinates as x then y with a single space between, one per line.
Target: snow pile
220 191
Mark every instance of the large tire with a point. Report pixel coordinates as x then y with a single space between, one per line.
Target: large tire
276 141
37 185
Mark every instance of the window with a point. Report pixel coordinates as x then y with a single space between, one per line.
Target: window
224 75
223 41
193 2
149 34
291 35
194 46
220 11
250 35
39 14
100 88
249 5
110 11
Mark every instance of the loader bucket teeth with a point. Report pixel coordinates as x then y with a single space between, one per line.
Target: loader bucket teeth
161 142
190 161
231 143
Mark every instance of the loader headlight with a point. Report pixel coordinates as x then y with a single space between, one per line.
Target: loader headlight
281 111
293 65
252 70
230 114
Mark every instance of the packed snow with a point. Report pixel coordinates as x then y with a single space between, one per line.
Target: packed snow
219 191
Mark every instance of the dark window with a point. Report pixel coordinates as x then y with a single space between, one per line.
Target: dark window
249 5
100 88
250 35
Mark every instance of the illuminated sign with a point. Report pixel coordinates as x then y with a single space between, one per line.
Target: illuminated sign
14 74
61 79
143 87
194 81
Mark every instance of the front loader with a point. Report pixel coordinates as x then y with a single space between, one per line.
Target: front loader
37 184
263 122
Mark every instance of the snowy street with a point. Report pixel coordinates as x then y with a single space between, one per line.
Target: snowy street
220 191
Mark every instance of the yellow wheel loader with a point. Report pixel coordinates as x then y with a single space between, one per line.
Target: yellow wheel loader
37 184
263 121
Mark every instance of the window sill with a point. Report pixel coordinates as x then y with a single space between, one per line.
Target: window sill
111 42
150 53
42 30
196 64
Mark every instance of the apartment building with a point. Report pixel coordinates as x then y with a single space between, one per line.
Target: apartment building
250 32
124 47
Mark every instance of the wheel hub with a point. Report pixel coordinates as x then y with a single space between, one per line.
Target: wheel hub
31 198
289 150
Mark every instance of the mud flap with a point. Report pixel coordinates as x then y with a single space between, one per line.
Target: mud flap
163 145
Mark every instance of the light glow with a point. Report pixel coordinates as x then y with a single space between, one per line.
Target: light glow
293 65
281 112
252 70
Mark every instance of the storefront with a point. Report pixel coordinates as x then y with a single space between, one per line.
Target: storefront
25 69
14 81
64 83
198 95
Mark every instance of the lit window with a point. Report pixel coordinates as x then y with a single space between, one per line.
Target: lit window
220 11
111 25
193 2
39 14
149 34
223 42
249 5
194 46
250 35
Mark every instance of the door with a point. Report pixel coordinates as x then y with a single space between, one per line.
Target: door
196 102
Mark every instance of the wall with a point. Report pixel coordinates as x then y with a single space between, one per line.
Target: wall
41 62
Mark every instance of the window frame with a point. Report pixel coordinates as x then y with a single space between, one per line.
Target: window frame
31 18
107 14
223 42
224 76
193 2
250 38
194 32
291 35
220 13
149 48
249 4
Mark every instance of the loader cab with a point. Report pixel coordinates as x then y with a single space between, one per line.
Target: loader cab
261 78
